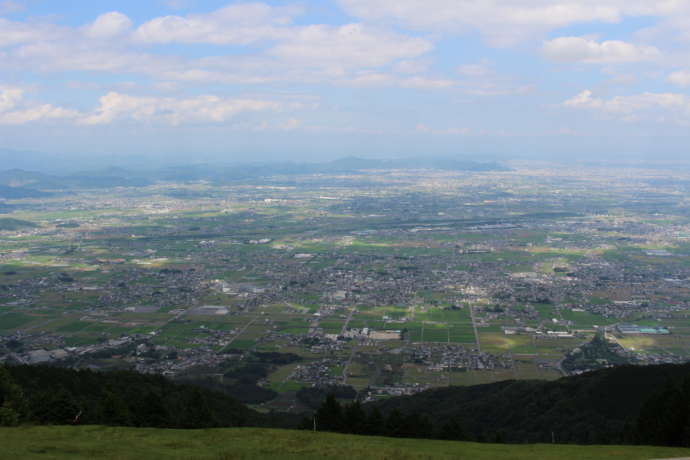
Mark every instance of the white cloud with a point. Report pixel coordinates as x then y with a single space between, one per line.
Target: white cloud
370 79
201 109
305 54
427 83
584 100
14 33
15 111
673 28
76 55
680 78
660 107
114 106
317 49
412 66
627 104
9 98
348 45
238 24
578 49
38 113
479 80
108 26
506 22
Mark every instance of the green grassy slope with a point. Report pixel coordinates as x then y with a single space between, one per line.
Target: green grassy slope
95 442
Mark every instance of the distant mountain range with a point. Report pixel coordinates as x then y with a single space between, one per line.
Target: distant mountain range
18 183
21 183
349 165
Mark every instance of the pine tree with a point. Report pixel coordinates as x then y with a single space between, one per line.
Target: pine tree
452 430
329 417
375 423
114 410
152 412
56 407
665 418
395 424
11 400
198 414
355 418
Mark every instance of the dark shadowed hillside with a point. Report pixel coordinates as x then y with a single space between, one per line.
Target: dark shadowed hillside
598 407
59 396
602 407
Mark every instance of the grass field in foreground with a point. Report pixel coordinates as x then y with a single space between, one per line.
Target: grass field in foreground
96 442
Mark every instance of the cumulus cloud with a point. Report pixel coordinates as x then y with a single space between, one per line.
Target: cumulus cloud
9 98
503 22
118 107
237 24
37 113
680 78
15 111
108 25
201 109
578 49
661 107
294 53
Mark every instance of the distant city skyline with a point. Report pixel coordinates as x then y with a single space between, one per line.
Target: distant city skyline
281 80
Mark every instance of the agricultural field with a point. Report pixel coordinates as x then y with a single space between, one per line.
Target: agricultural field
389 282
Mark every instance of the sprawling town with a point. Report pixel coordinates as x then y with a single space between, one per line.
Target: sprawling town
378 282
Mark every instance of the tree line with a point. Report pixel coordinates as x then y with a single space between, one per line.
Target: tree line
51 395
625 405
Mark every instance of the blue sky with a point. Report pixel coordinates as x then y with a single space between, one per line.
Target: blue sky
246 81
